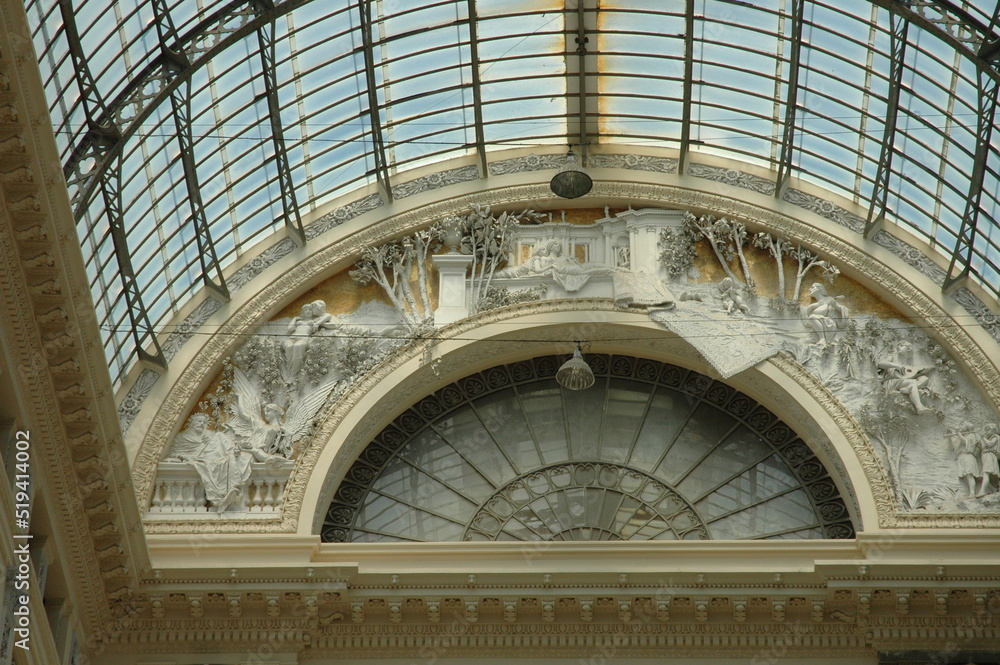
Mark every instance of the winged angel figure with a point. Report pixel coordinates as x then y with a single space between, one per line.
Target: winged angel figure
278 429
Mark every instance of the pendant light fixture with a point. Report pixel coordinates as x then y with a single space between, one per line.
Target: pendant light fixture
571 181
575 373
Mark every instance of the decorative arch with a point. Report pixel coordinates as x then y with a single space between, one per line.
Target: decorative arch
652 451
167 403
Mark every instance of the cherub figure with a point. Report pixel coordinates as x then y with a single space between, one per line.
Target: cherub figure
274 434
732 296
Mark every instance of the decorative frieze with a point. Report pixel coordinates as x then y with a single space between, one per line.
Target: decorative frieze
189 326
632 162
527 163
732 177
825 208
911 255
259 263
132 403
989 320
343 214
434 181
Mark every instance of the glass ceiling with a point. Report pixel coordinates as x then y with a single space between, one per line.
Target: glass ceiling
189 131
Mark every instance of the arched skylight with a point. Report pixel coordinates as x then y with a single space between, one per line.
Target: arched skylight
189 131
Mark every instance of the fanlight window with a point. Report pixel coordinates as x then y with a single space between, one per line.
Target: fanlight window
650 452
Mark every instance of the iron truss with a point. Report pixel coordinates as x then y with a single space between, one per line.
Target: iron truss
161 85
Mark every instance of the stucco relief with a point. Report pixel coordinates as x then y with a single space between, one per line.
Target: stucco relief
965 351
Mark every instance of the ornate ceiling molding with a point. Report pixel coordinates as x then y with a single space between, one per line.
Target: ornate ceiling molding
77 454
167 415
570 615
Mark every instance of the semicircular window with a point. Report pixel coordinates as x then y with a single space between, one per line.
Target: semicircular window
650 452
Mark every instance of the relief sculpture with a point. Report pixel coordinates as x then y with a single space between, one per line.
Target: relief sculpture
739 300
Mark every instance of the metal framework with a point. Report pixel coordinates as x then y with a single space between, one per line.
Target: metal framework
688 85
104 133
390 84
220 29
289 204
374 111
961 257
477 87
180 101
581 80
784 166
880 193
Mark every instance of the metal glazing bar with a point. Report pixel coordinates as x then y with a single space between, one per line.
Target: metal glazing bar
477 87
688 85
961 257
106 135
876 211
289 203
102 133
180 102
227 28
990 50
581 51
791 100
142 328
378 147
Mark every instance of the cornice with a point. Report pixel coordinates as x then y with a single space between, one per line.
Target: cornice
397 621
61 371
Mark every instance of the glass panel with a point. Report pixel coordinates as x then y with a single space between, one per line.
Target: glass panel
384 514
501 414
626 404
436 458
766 479
466 434
700 435
542 404
779 514
718 479
527 64
739 450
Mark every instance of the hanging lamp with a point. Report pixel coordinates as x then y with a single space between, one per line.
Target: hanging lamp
571 181
575 373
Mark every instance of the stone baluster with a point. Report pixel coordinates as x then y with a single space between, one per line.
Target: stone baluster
279 491
188 493
169 496
258 498
200 500
179 491
157 497
269 496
